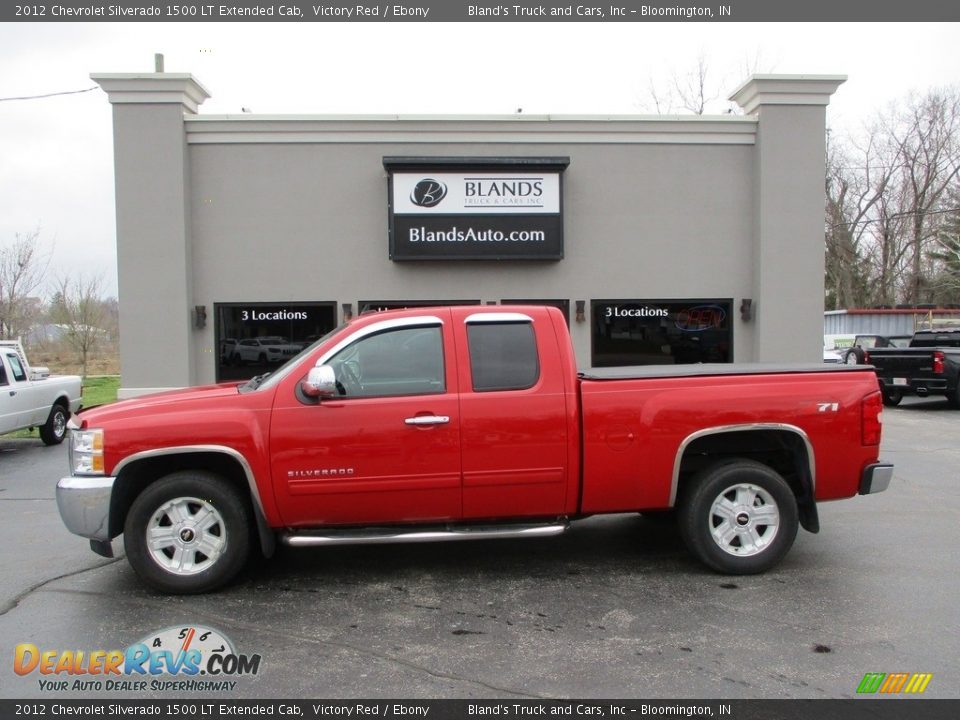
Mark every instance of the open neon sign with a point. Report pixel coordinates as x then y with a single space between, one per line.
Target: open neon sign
700 318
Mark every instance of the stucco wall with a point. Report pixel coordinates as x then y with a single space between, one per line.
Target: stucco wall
309 222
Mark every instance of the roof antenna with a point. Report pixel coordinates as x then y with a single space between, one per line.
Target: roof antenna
158 62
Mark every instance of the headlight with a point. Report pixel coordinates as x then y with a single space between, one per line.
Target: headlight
86 452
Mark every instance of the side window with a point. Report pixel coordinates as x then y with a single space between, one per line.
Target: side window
405 361
503 356
3 375
19 375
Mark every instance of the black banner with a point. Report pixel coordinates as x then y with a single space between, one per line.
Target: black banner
479 237
482 11
506 709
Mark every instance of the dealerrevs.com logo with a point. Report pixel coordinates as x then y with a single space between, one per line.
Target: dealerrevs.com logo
177 659
428 193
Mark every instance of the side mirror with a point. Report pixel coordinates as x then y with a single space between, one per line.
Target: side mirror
320 382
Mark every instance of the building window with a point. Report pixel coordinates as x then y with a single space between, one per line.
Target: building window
661 332
503 356
254 338
366 306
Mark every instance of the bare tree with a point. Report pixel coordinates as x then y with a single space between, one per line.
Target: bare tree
78 306
887 201
925 135
699 90
686 92
23 265
855 185
945 283
692 88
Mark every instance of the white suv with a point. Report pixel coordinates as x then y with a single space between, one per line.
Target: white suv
268 349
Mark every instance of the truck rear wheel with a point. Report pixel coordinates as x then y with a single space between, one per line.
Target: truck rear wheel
892 398
954 400
55 429
739 517
188 532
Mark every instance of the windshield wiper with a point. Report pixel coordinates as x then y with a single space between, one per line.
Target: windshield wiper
254 382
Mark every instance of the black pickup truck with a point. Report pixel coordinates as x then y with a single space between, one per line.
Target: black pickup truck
929 366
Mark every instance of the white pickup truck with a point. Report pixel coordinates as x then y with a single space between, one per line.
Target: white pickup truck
32 398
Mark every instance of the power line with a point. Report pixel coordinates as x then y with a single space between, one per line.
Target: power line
894 216
54 94
898 166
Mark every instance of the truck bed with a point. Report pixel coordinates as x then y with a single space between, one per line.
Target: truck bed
637 424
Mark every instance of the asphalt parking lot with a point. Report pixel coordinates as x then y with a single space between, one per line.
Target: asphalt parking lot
613 609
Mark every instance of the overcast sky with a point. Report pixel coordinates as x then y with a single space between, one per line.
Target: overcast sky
56 158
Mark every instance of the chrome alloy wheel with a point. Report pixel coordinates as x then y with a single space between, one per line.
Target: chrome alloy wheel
744 520
186 536
60 424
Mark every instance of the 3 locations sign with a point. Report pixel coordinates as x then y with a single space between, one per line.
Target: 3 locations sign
455 209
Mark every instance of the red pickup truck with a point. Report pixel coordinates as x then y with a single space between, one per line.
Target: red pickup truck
466 423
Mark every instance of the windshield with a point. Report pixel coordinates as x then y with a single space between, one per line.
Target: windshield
268 380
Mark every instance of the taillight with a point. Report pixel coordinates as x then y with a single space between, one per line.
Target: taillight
871 418
938 362
866 358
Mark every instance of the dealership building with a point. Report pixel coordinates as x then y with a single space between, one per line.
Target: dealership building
664 240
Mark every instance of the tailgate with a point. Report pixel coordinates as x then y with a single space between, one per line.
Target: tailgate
905 363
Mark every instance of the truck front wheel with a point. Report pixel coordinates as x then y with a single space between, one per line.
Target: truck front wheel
739 517
188 532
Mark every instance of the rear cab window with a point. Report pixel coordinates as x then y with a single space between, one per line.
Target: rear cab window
19 374
503 354
932 340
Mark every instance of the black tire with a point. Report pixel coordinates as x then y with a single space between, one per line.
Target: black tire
954 400
55 429
853 356
892 398
210 527
755 496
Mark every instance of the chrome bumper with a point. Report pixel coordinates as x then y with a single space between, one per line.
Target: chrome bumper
84 504
876 478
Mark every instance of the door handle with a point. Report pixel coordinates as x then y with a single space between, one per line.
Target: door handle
423 420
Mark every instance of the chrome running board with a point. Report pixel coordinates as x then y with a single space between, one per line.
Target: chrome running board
384 536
